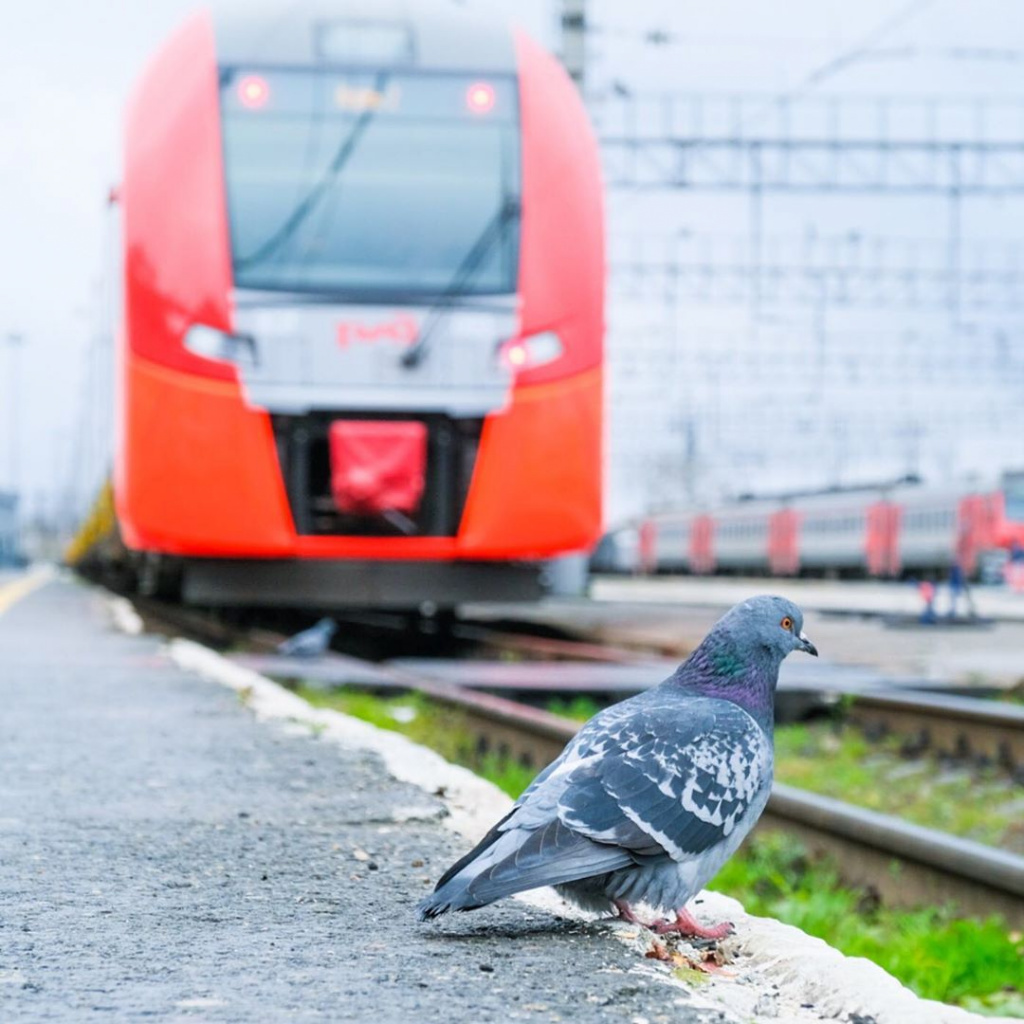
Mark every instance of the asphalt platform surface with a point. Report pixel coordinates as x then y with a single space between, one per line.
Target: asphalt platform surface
164 856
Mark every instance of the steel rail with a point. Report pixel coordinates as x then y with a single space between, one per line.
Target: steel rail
545 646
948 723
979 863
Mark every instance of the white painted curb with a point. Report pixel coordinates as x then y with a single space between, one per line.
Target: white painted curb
126 618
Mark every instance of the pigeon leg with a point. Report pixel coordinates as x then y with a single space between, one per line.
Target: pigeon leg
626 913
686 924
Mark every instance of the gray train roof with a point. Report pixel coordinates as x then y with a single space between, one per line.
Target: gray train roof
440 35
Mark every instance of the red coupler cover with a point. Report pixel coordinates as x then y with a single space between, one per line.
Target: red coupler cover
378 465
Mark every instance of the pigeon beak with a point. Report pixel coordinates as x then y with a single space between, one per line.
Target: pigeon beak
806 645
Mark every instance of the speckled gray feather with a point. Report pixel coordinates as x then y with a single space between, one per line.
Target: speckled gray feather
652 795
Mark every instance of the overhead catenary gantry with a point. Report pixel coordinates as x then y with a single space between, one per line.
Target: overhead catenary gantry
952 149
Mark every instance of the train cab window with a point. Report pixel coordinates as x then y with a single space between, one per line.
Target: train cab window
372 185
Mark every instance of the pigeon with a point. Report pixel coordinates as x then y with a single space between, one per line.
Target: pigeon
652 795
310 643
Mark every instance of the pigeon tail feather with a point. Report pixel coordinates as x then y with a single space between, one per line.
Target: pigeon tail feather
517 861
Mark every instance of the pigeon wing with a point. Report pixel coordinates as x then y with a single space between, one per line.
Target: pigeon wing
669 780
530 846
653 776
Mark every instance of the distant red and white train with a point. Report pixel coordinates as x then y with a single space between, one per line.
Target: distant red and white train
903 529
362 346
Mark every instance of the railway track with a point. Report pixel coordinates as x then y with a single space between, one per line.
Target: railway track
934 867
962 727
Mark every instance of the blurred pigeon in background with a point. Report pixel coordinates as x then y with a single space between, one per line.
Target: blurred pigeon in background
310 643
653 795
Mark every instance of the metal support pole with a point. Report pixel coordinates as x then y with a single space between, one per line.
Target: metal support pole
955 232
574 40
756 230
14 343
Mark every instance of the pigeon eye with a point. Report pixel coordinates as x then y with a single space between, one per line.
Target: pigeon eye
786 623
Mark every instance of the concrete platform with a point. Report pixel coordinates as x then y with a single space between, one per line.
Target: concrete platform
181 839
863 597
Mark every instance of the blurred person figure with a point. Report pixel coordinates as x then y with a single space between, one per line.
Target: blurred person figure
958 575
926 591
1014 570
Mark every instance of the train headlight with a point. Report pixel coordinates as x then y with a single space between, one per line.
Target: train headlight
211 343
526 353
480 98
253 92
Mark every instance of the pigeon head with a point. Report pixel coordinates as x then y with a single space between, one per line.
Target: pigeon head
739 659
767 623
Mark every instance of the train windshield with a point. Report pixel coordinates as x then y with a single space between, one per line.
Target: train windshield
371 185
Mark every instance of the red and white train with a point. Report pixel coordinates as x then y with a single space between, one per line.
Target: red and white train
362 345
903 529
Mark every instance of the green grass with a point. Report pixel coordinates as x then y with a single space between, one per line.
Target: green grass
577 708
839 762
1015 695
974 963
442 729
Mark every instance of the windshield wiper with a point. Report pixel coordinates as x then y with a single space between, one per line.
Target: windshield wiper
492 234
304 208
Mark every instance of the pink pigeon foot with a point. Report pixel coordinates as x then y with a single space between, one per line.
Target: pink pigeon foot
626 913
686 924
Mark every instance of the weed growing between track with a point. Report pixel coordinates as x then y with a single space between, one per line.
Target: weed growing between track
976 964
